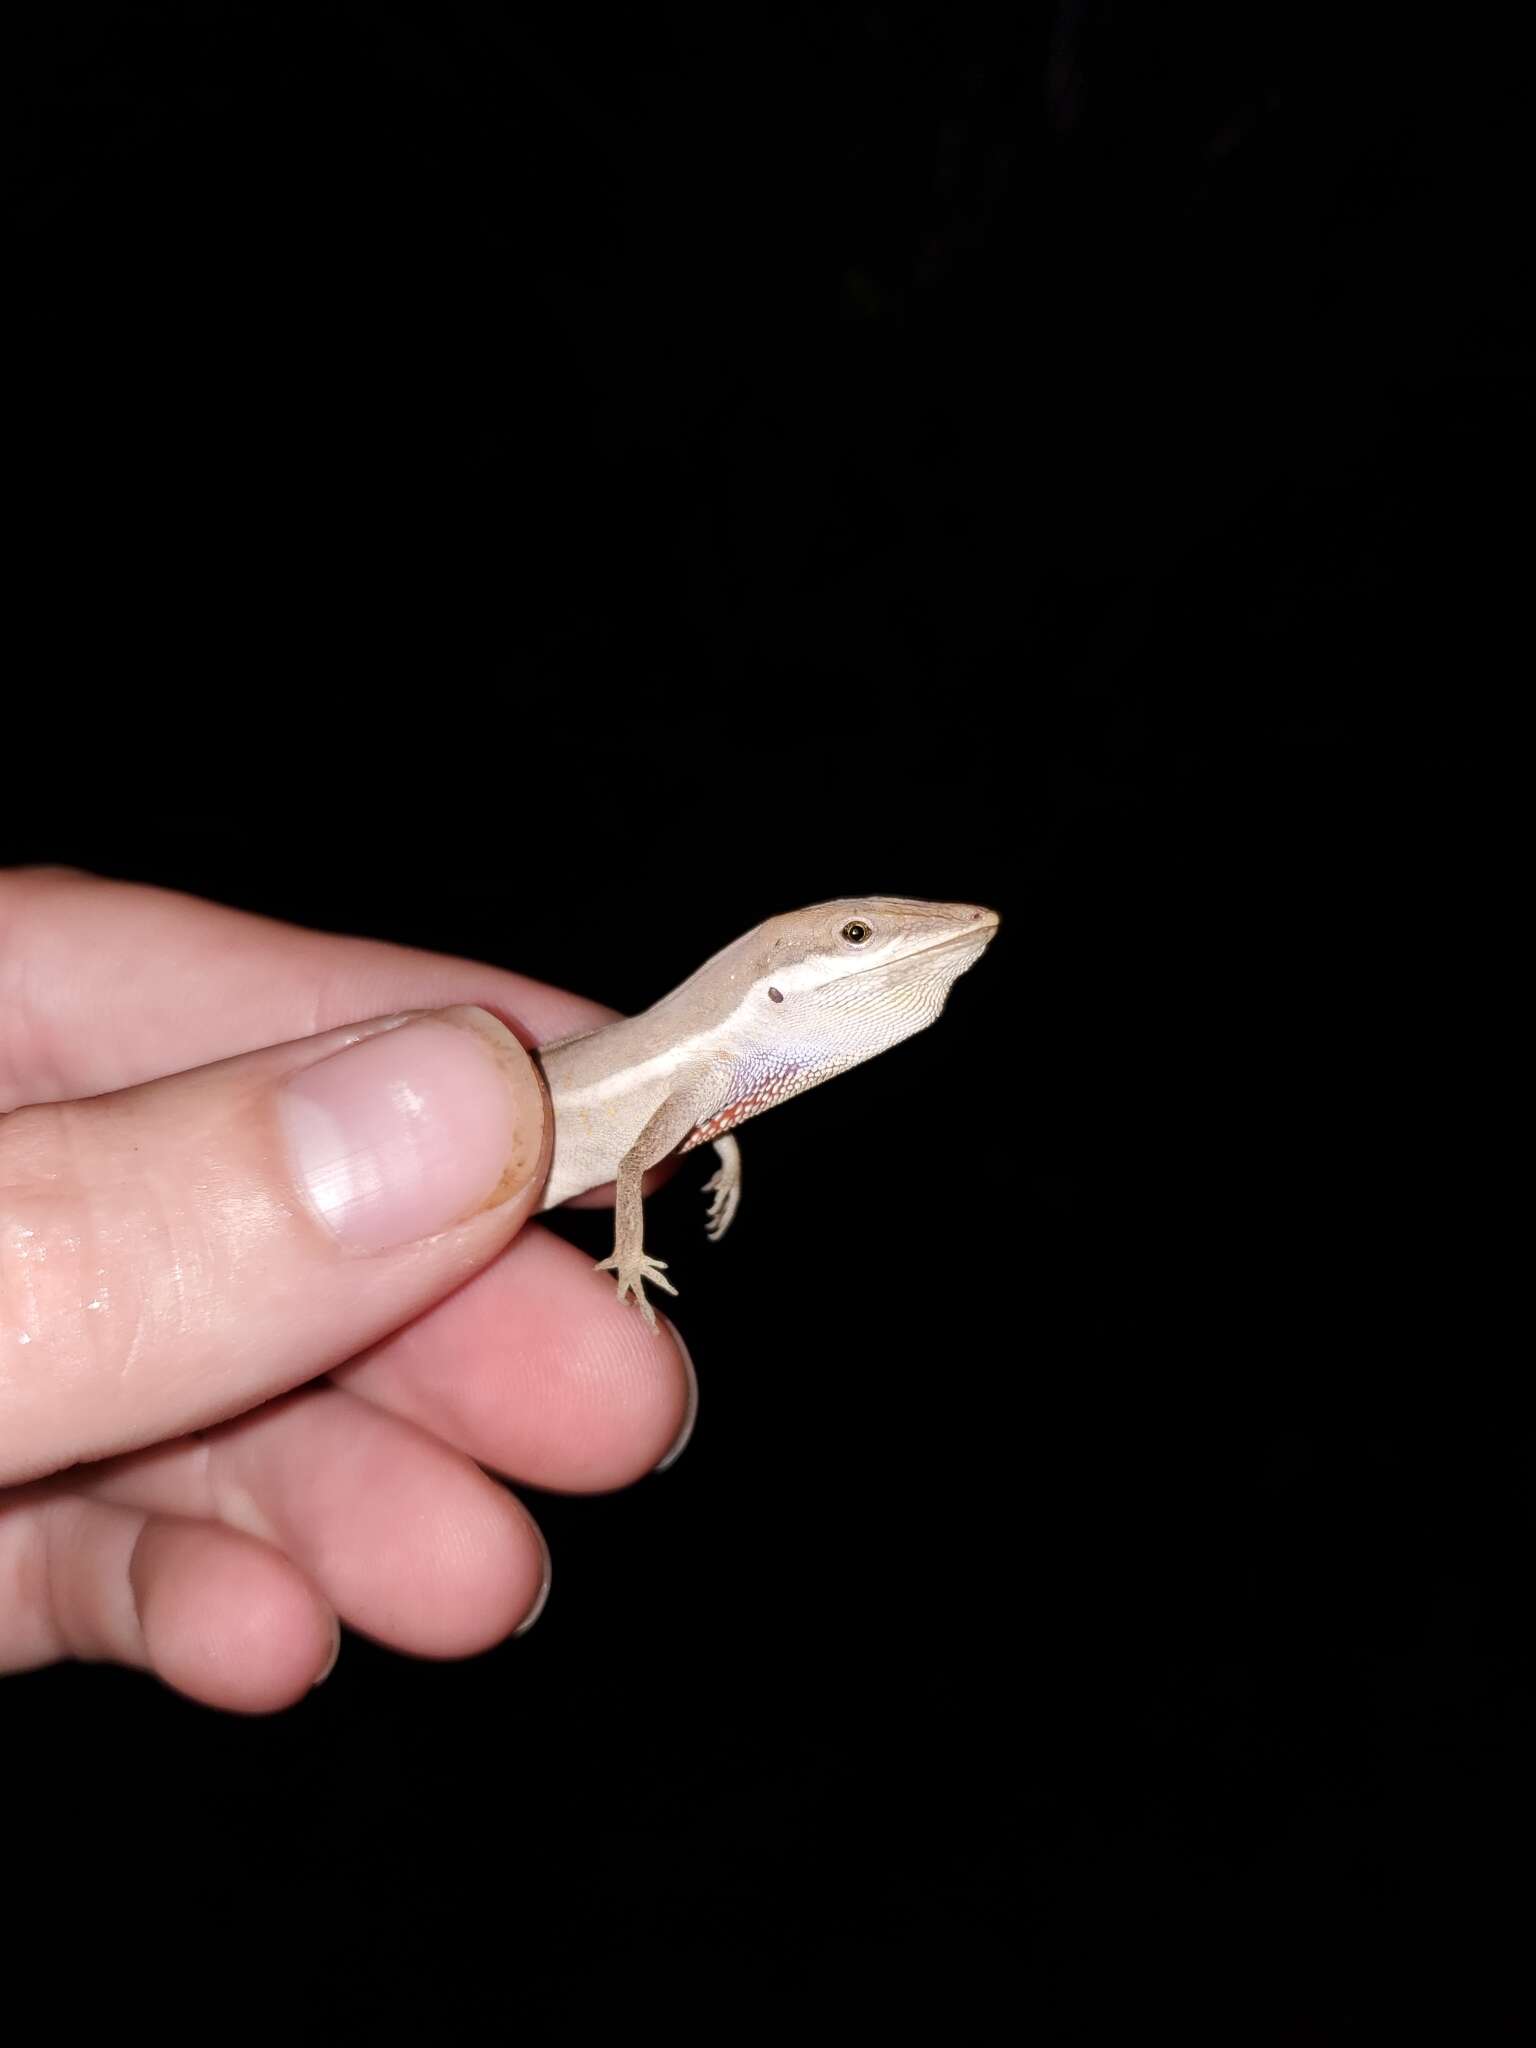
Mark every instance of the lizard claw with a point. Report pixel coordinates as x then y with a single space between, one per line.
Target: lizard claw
726 1188
632 1278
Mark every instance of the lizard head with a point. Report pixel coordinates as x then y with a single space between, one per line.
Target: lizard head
872 969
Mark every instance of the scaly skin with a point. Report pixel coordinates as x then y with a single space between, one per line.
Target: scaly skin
800 998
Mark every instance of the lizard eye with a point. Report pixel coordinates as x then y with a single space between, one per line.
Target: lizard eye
856 931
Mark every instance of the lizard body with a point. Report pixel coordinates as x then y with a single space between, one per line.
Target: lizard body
796 1000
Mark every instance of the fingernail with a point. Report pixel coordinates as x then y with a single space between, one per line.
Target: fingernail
413 1130
330 1662
538 1606
680 1442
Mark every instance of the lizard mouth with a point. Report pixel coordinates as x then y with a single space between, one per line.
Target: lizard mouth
973 935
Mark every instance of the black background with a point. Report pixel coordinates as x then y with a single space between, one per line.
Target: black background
562 490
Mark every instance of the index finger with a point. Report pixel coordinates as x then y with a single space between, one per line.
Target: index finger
105 984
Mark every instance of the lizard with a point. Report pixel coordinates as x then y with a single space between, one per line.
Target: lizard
799 998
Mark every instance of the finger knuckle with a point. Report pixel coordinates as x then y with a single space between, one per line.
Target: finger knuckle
73 1254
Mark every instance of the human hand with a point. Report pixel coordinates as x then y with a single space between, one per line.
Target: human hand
267 1304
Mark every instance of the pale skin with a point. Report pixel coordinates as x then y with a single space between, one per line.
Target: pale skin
223 1432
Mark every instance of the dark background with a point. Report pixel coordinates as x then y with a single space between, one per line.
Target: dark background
562 492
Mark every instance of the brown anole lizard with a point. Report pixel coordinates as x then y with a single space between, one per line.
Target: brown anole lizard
800 998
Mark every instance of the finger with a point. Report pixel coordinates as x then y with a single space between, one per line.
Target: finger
538 1370
215 1614
534 1369
405 1539
174 1253
106 984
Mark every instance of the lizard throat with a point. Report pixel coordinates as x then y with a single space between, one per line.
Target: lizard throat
768 1087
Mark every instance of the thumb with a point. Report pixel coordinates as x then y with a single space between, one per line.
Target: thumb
177 1252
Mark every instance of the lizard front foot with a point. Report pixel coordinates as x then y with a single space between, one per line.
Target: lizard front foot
632 1277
